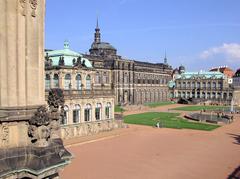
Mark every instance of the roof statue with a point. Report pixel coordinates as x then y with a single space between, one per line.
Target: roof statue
67 57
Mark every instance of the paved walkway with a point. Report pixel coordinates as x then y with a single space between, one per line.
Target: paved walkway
148 153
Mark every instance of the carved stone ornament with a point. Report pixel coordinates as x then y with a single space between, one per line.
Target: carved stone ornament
33 4
39 129
5 134
44 125
23 5
55 99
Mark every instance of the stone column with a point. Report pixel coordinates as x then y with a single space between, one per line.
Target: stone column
21 50
22 93
22 88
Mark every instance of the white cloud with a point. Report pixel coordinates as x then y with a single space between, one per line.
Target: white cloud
230 52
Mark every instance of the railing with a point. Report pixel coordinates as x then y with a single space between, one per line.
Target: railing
85 93
201 88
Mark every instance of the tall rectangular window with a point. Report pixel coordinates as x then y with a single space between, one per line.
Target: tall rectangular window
87 115
107 112
97 113
76 116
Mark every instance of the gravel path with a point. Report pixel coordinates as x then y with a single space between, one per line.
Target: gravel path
140 152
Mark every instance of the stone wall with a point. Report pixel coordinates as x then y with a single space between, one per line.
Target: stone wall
89 128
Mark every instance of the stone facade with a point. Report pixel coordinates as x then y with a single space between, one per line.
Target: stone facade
134 82
236 86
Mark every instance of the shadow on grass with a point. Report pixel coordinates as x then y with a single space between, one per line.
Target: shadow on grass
235 174
236 138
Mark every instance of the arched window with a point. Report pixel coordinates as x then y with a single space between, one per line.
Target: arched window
214 85
98 111
56 81
67 82
87 113
78 82
88 82
184 84
198 84
47 81
193 84
204 84
203 95
65 116
97 80
213 95
108 110
76 114
209 84
219 84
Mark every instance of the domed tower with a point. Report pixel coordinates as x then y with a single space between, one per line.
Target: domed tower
99 48
182 69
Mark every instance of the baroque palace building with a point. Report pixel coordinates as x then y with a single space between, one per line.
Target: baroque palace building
134 82
201 86
89 108
94 83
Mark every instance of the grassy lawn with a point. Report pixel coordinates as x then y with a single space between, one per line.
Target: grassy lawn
167 120
118 109
157 104
198 108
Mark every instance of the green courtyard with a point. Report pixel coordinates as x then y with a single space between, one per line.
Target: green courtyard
199 108
167 120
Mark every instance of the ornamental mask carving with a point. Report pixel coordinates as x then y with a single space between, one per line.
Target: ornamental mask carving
39 129
33 4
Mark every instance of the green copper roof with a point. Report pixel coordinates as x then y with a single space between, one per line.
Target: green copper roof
201 75
68 56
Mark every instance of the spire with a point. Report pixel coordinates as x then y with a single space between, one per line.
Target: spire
97 27
66 44
165 58
97 35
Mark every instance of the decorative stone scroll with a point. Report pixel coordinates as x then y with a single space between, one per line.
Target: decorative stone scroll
33 4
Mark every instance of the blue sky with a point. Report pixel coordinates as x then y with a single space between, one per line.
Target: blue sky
198 34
